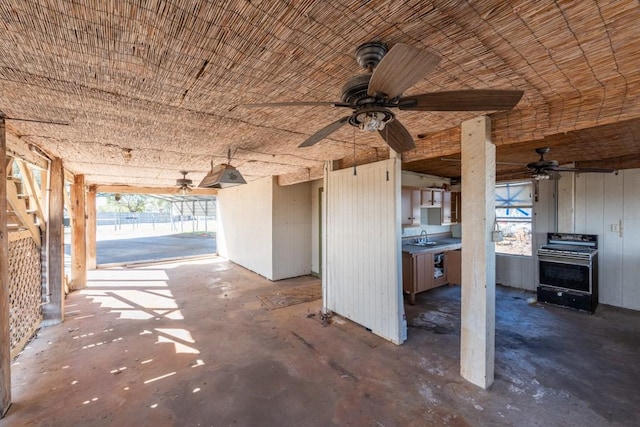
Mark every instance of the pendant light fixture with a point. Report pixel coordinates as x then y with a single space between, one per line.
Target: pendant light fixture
223 175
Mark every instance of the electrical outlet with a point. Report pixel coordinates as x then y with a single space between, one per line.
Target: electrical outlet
615 228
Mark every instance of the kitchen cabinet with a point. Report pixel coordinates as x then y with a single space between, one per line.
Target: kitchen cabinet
410 206
431 197
456 207
454 266
449 212
419 271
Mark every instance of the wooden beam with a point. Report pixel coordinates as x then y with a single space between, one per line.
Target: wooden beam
78 235
19 149
5 335
33 191
477 338
69 176
309 174
53 311
20 210
91 228
126 189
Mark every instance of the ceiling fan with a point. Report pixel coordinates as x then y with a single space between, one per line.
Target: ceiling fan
545 169
184 184
389 73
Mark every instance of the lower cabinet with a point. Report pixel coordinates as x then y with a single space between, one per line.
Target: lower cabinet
423 271
454 266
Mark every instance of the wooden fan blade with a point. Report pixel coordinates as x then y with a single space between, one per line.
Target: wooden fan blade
584 170
462 100
397 136
324 132
400 69
297 104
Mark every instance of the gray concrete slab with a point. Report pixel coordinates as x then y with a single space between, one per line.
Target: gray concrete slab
190 344
123 250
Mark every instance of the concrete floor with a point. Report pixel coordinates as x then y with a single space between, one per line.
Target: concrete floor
188 344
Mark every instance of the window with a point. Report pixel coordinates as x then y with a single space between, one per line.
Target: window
514 207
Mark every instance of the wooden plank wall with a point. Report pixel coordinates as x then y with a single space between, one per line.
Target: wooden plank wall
363 247
603 202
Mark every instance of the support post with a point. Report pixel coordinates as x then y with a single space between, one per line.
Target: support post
78 235
5 337
53 311
478 252
91 228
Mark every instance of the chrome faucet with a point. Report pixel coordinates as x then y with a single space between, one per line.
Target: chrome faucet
424 237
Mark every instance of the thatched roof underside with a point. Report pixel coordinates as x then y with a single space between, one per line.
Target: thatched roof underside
149 88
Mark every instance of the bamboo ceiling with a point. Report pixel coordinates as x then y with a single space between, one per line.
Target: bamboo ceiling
149 88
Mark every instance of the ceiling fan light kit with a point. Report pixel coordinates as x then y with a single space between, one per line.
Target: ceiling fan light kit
184 184
389 73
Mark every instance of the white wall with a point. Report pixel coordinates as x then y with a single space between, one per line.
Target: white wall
266 228
291 230
602 201
589 203
316 187
362 275
245 218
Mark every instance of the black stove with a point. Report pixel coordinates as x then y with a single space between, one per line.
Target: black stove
567 245
568 270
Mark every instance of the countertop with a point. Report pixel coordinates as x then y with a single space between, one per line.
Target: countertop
443 244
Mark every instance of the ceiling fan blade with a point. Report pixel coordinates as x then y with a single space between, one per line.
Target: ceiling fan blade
584 170
462 100
324 132
397 136
402 67
297 104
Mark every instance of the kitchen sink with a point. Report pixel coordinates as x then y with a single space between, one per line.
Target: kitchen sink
429 243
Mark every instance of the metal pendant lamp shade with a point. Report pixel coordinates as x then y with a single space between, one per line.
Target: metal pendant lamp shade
222 176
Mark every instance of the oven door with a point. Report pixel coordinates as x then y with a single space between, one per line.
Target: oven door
565 272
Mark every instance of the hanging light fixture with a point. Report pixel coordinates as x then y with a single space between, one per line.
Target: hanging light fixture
184 183
223 175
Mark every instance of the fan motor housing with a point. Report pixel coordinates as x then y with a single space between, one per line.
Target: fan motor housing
355 88
369 54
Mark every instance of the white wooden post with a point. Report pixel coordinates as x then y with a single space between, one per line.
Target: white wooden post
53 311
478 252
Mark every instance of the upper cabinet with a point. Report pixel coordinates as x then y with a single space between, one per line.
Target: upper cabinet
431 197
450 209
410 206
446 206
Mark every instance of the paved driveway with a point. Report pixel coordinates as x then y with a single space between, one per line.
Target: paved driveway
151 248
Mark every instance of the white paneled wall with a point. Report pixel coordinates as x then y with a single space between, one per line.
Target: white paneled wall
316 191
516 271
362 276
605 203
291 230
245 219
266 228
